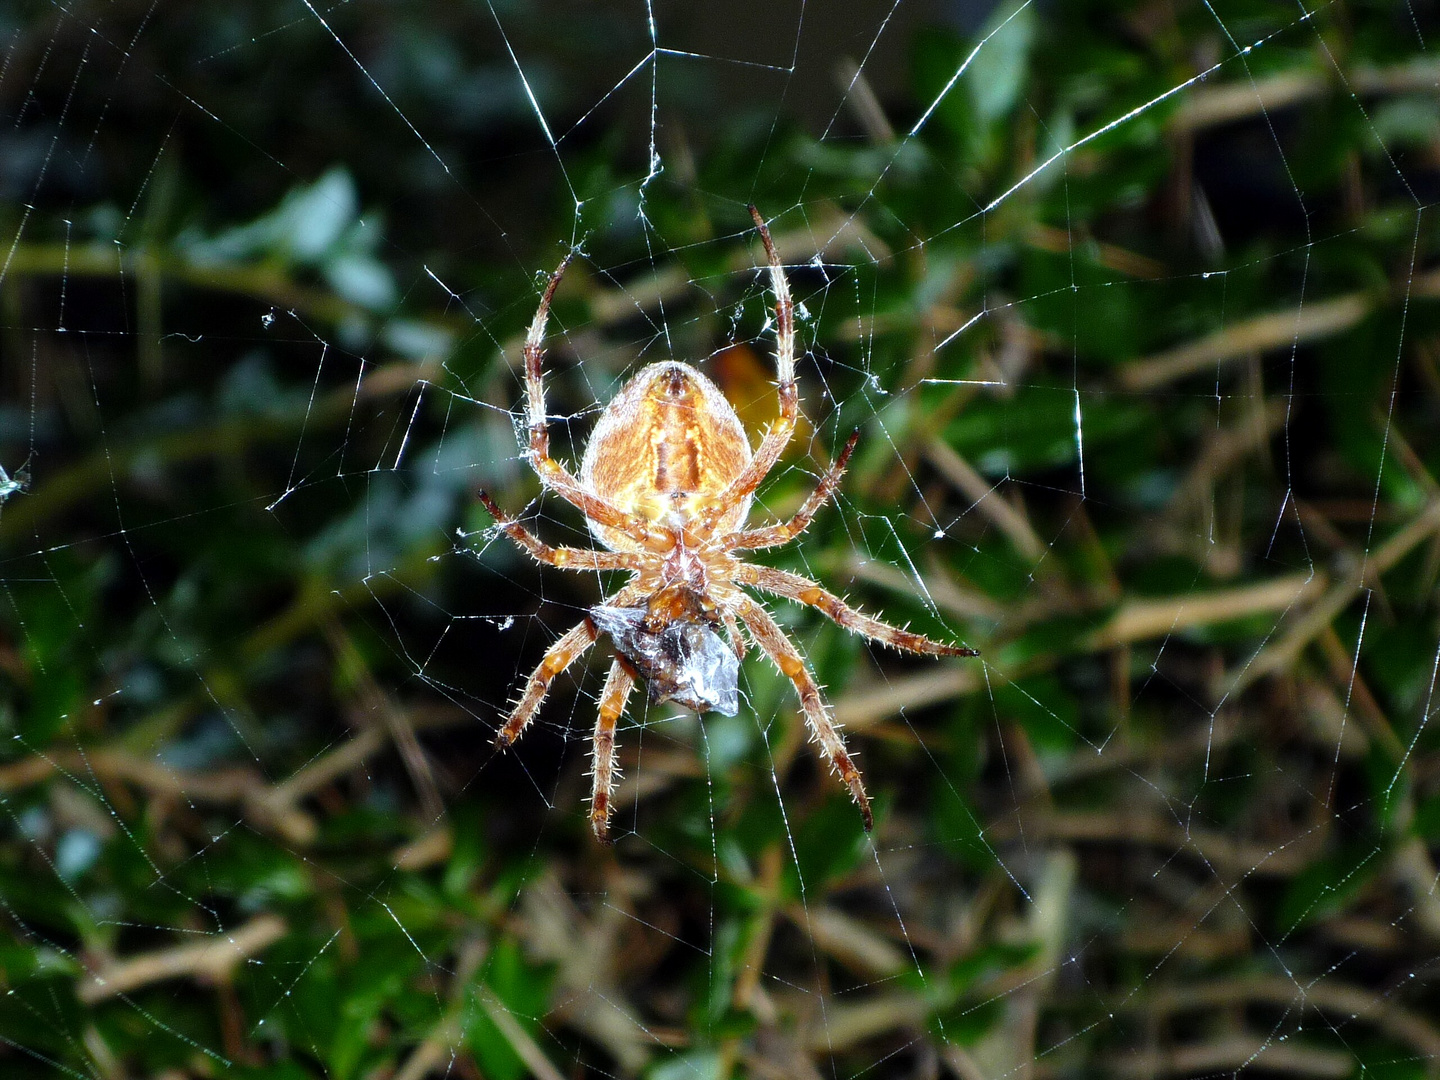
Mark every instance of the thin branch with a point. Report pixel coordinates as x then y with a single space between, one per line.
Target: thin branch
209 961
1280 654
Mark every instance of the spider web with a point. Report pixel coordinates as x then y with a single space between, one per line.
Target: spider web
1135 312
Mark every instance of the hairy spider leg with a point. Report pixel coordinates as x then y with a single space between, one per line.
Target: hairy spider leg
774 535
602 771
567 558
777 437
557 658
732 631
553 474
779 648
804 591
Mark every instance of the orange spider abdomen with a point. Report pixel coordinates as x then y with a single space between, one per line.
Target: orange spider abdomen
665 449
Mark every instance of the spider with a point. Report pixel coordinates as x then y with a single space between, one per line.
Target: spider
665 485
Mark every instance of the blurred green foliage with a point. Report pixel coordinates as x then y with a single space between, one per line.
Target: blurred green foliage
1135 305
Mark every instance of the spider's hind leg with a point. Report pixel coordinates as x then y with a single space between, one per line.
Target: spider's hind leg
777 437
567 558
553 474
775 535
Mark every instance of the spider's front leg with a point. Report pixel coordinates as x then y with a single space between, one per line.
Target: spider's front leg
557 658
787 658
732 631
804 591
602 769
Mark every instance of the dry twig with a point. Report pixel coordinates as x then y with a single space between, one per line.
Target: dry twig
210 960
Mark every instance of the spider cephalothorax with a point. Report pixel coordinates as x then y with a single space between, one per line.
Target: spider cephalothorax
666 484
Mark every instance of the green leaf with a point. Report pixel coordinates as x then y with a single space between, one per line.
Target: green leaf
523 991
696 1065
998 73
1325 887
